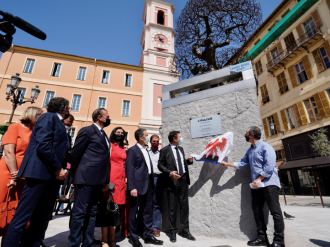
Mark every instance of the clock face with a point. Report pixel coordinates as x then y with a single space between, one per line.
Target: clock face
161 39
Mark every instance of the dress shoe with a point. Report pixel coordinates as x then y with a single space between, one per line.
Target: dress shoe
156 233
153 240
188 236
277 245
173 237
135 243
258 242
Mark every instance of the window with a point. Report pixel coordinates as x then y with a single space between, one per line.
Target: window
29 65
310 27
81 73
259 67
23 91
255 43
312 111
271 27
271 125
321 59
160 17
159 100
292 118
285 13
282 83
274 53
102 102
76 102
56 69
49 96
126 105
290 42
105 77
301 73
72 132
264 94
278 154
128 80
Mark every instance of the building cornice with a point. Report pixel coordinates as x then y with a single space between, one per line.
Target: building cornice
29 50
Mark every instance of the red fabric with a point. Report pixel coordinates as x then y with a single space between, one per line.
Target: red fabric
117 174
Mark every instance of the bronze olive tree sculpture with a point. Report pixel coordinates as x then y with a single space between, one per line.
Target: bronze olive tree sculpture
205 26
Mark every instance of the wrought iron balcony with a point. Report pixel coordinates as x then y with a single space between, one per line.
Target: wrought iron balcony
305 41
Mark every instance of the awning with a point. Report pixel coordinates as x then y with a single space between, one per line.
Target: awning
303 163
297 11
278 163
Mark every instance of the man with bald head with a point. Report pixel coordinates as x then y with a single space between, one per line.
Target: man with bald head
264 188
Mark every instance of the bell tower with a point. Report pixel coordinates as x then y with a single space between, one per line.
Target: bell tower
157 43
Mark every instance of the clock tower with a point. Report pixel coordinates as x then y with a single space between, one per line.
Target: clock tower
157 52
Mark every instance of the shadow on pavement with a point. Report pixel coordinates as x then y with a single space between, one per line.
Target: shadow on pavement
320 242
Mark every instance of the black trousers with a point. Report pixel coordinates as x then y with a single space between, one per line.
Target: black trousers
36 202
269 195
141 214
178 194
67 183
83 214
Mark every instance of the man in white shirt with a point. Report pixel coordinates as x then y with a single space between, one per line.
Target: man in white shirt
140 184
158 183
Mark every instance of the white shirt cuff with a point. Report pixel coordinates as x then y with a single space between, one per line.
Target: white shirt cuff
264 174
236 165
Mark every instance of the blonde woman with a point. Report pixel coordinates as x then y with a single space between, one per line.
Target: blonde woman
15 142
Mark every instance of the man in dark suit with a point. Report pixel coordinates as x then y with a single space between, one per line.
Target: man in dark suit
90 158
173 164
140 184
42 168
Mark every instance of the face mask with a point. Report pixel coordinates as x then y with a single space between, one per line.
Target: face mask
247 138
146 141
67 128
107 122
66 116
119 138
155 144
181 141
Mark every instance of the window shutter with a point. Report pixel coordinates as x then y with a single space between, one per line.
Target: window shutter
302 113
299 30
266 130
326 103
279 47
327 47
284 120
307 66
297 114
292 77
317 18
318 60
277 122
283 154
319 105
268 57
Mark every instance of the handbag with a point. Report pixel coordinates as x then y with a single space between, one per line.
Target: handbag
108 213
7 212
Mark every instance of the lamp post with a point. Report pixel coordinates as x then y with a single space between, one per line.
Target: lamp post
15 95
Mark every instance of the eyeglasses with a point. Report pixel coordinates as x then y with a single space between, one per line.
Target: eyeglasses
69 108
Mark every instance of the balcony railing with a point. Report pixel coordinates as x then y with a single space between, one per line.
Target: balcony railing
305 38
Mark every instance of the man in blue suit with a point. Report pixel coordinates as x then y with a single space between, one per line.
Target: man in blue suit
140 183
90 158
42 167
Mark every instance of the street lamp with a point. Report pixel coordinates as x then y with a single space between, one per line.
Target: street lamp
272 127
15 95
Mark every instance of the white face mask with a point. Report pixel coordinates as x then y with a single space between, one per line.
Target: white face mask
146 141
67 128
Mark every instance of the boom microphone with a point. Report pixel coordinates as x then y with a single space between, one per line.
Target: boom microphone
29 28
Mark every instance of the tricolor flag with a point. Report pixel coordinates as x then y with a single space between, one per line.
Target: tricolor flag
217 149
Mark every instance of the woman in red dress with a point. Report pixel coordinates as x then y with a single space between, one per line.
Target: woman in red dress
117 177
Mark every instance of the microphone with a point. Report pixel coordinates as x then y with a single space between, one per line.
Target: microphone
29 28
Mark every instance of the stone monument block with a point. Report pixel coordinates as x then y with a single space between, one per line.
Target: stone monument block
219 197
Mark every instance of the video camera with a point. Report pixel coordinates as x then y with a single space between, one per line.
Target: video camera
7 24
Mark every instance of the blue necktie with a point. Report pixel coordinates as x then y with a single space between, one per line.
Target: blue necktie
179 161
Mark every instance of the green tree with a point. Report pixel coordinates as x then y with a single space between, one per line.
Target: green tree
321 143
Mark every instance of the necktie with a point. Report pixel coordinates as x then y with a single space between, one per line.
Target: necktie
179 161
105 136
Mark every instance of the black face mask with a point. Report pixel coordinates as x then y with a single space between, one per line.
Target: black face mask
119 138
247 138
66 116
107 122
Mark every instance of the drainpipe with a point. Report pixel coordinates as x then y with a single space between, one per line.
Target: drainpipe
12 52
90 98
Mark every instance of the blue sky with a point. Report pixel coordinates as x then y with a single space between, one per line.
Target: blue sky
102 29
